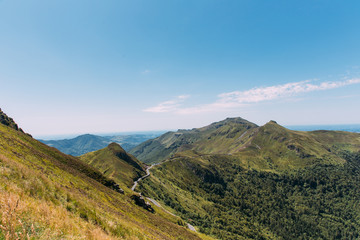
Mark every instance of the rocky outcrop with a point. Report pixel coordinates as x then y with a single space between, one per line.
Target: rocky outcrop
140 201
117 188
8 121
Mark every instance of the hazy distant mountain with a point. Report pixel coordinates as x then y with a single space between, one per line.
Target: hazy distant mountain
87 143
338 127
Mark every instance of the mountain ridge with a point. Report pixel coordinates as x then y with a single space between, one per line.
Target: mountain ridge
269 182
162 147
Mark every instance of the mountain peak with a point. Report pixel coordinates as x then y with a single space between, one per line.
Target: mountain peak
114 162
273 122
115 148
223 137
235 120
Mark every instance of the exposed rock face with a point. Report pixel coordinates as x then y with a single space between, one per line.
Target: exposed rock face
117 188
8 121
140 201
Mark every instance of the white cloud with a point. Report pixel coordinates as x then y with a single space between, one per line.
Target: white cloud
289 89
240 98
168 106
236 99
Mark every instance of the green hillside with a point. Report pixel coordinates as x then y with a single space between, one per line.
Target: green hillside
278 184
116 164
45 194
220 137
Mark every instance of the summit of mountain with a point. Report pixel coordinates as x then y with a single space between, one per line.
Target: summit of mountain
218 137
114 162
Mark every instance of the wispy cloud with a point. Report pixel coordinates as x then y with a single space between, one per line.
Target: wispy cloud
168 106
146 71
237 99
279 91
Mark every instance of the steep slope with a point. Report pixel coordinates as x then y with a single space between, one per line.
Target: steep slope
116 164
221 137
280 184
88 142
49 195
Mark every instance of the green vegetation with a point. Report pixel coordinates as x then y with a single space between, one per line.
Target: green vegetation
45 194
226 200
116 164
226 136
231 180
88 142
279 184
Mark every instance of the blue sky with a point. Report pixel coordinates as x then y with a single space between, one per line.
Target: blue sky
69 67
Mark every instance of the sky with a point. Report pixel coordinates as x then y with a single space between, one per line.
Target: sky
85 66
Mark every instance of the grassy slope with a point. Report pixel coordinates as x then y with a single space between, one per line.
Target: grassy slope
56 196
219 137
116 164
275 148
280 184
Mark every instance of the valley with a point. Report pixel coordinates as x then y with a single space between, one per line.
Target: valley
46 194
276 184
229 180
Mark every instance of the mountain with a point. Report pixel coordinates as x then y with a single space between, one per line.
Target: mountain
116 164
221 137
79 145
46 194
259 182
88 142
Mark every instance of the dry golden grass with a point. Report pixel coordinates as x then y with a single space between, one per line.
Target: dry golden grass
24 218
21 214
11 224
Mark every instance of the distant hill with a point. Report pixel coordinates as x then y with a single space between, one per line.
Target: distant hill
46 194
236 180
87 143
116 164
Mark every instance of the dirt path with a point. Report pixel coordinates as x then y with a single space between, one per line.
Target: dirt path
141 178
191 227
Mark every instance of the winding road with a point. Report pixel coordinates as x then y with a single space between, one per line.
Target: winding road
141 178
191 227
